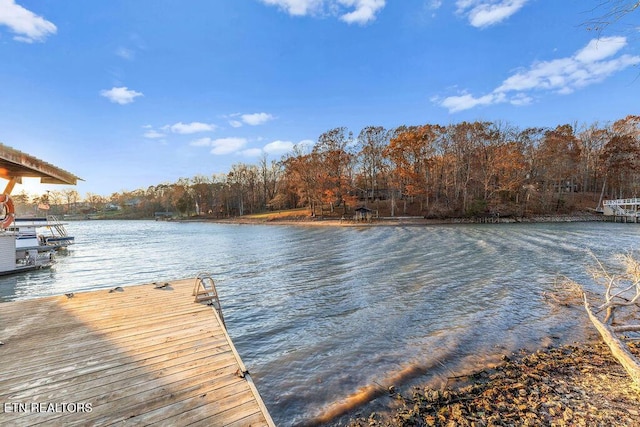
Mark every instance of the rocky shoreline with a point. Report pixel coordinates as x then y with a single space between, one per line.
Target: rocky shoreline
571 385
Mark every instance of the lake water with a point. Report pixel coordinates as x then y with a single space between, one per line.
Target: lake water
324 318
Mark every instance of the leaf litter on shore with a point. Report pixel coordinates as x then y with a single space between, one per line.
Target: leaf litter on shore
571 385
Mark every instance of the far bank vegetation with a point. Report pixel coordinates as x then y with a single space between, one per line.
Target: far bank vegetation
467 169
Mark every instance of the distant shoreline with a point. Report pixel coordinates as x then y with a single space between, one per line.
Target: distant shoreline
403 220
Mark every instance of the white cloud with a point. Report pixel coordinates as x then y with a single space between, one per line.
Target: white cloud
153 134
591 64
521 99
237 145
278 147
364 12
484 13
256 118
227 145
466 101
120 95
598 49
349 11
221 145
237 120
297 7
28 26
189 128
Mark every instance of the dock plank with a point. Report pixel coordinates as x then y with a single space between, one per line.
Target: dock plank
92 344
106 373
88 354
138 355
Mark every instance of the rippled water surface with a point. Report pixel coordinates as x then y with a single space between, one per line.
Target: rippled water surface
325 316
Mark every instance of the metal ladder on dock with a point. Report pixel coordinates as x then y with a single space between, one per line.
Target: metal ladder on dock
204 290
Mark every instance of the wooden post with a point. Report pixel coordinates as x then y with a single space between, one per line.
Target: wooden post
12 183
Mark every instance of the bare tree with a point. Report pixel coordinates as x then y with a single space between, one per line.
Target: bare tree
270 174
95 201
611 12
71 198
371 143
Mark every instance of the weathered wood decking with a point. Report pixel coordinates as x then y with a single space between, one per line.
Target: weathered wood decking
135 356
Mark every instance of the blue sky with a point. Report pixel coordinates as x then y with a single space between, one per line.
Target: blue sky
131 93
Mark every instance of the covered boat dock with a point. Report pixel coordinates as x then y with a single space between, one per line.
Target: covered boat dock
15 165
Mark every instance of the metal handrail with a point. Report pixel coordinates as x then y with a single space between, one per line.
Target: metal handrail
618 202
205 290
59 227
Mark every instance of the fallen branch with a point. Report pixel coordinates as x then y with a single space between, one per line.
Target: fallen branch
619 350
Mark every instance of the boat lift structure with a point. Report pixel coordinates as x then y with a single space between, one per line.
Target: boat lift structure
628 210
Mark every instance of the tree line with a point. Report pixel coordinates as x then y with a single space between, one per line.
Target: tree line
462 169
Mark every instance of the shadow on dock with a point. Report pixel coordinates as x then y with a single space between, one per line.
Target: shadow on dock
139 355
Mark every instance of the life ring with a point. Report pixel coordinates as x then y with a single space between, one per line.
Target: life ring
6 207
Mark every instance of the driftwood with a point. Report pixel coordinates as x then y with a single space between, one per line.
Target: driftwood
621 301
618 348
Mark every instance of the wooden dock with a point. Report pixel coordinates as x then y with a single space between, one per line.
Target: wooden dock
137 355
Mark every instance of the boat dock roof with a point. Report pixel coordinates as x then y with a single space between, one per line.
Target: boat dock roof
16 164
132 355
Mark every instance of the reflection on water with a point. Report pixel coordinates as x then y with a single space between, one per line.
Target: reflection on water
327 318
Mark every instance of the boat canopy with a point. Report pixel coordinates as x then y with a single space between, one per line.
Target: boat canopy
15 165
